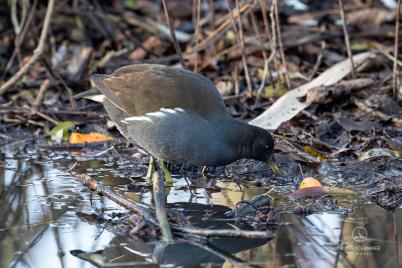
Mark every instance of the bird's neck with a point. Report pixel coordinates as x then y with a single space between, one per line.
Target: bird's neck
239 136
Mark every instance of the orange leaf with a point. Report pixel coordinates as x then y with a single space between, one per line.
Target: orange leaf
90 137
310 182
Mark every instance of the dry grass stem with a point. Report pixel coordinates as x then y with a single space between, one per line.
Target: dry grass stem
395 80
197 5
281 51
346 37
173 34
240 41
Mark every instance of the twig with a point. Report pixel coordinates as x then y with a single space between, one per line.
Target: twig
44 116
213 36
240 41
346 37
318 61
173 34
37 52
14 19
19 38
382 50
395 83
281 52
41 94
159 199
264 55
197 30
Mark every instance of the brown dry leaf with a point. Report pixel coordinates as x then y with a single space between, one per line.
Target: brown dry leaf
370 16
150 44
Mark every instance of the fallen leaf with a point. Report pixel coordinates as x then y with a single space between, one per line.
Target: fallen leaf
332 190
90 137
60 131
314 152
310 182
289 105
379 152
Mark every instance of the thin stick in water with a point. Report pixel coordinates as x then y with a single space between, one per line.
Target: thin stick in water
159 198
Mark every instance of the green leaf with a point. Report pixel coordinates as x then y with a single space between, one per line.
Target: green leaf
60 131
270 91
360 47
333 190
130 3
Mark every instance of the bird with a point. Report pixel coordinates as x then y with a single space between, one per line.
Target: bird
177 116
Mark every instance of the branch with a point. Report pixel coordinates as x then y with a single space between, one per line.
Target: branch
36 54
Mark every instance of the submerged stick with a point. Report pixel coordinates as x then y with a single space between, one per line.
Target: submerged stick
233 233
161 219
159 199
138 208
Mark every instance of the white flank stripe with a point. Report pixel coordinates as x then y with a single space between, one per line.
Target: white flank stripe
137 118
170 111
97 98
157 114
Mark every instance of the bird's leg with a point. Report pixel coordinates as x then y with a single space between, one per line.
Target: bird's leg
166 173
151 165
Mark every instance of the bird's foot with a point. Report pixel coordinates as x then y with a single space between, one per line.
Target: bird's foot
166 173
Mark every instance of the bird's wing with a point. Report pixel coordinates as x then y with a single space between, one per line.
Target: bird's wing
144 88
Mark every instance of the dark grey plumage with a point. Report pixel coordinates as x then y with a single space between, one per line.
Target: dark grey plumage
178 116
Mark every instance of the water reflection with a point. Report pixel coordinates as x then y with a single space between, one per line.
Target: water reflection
39 228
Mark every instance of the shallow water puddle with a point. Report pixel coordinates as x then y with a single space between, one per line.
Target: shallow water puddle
39 226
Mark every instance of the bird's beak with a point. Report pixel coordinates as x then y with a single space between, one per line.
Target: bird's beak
273 166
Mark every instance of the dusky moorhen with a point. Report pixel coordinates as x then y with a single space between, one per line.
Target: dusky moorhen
177 116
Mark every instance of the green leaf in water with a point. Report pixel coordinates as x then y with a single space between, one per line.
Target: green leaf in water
60 131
